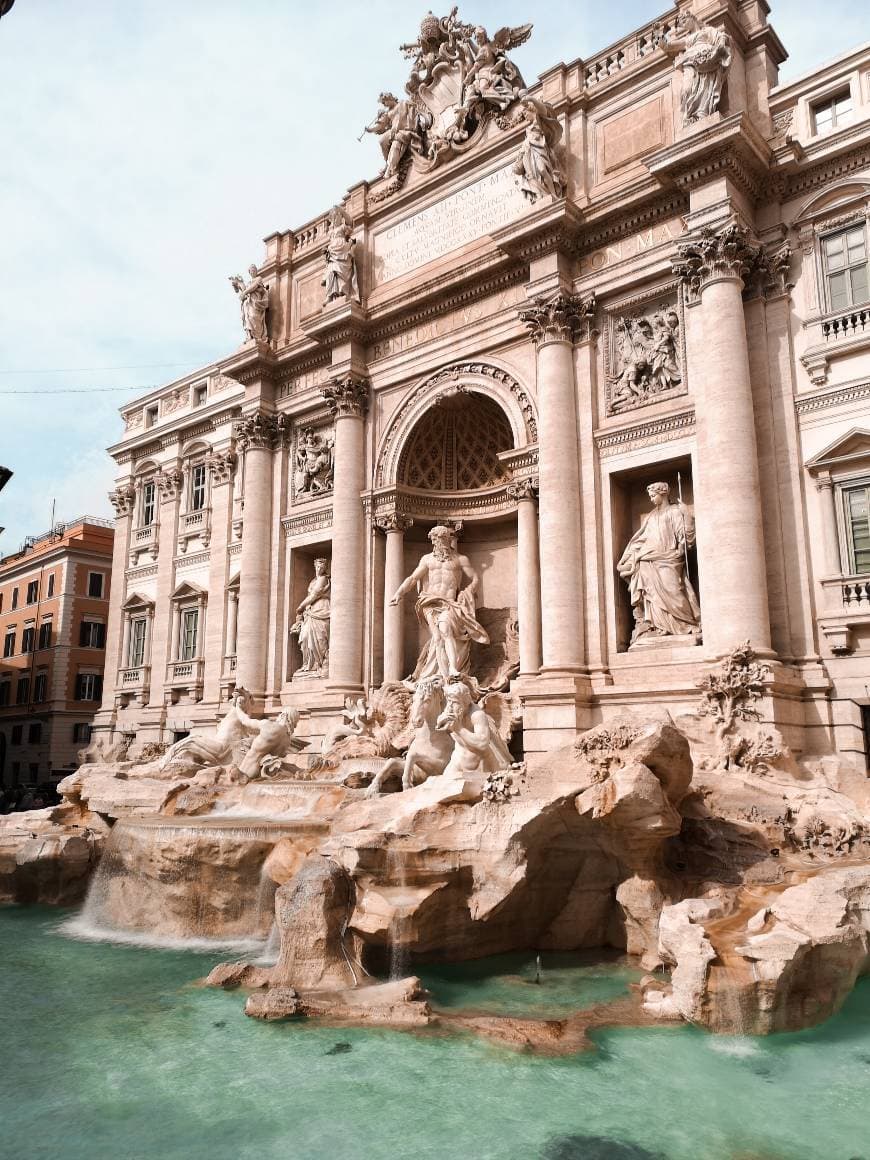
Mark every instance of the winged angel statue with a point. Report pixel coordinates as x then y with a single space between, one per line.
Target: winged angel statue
459 76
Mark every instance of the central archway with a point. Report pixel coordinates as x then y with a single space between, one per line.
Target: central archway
455 445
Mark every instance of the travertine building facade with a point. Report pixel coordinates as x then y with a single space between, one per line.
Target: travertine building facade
54 605
648 267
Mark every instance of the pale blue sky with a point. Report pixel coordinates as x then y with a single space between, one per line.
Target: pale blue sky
147 148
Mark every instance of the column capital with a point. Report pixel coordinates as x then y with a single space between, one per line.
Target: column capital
823 481
559 318
347 396
169 483
123 500
716 254
221 465
261 429
393 522
523 489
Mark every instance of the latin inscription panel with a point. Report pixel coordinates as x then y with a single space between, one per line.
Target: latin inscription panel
466 215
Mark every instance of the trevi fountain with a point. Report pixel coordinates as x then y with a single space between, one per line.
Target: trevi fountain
504 817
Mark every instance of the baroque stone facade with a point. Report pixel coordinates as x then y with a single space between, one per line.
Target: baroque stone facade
641 278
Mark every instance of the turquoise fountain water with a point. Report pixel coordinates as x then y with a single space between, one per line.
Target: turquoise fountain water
111 1051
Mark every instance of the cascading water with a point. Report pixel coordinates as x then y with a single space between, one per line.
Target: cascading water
396 940
197 883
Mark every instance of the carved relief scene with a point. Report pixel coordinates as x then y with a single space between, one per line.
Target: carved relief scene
644 354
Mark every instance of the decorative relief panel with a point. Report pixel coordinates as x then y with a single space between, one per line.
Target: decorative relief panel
313 462
644 352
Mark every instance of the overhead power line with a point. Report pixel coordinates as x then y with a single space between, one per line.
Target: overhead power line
74 390
89 370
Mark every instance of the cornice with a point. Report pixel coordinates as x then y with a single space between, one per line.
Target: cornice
662 429
731 146
836 397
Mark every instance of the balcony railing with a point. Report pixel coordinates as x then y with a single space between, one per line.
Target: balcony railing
133 680
856 591
184 672
145 535
846 324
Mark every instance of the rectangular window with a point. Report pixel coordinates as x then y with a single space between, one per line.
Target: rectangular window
32 591
856 504
189 619
92 634
45 634
34 770
16 770
27 639
137 643
82 732
199 395
22 693
5 693
50 592
14 598
833 111
39 688
89 687
197 488
147 505
9 643
845 256
95 585
34 733
151 414
16 734
1 601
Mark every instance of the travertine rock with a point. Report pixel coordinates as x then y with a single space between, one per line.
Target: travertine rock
46 860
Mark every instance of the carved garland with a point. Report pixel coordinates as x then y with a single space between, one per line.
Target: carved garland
452 374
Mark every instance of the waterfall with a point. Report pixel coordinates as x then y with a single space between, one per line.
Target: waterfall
199 884
399 956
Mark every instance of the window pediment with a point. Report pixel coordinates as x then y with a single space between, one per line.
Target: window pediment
850 452
136 602
188 590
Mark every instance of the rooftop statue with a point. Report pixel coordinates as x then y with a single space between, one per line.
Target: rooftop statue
703 54
460 75
254 302
445 607
538 168
654 567
340 278
401 127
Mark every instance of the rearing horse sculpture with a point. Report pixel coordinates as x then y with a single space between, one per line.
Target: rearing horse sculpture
430 747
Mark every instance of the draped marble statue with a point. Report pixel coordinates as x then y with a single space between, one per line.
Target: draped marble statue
253 302
312 624
446 607
703 54
340 278
538 169
654 567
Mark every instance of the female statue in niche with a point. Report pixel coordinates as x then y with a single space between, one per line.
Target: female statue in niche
312 623
654 567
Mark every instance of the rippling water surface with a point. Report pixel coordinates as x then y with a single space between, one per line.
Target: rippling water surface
110 1051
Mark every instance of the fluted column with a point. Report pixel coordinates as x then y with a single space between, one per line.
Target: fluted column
221 467
123 500
169 483
348 398
232 623
394 527
553 325
125 646
713 265
524 492
256 435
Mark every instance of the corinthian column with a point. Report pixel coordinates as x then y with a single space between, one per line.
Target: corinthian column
257 435
123 500
394 527
713 266
553 325
347 398
528 575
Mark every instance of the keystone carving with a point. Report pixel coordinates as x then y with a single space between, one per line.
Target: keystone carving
562 318
347 396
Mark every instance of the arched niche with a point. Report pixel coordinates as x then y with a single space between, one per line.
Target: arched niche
460 379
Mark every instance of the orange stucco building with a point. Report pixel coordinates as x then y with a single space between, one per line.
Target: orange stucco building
54 600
